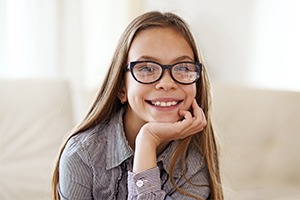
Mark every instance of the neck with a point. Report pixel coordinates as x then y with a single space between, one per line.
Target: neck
131 127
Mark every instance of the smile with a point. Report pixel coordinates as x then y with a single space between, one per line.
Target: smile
164 104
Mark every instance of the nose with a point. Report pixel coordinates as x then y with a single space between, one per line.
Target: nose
166 82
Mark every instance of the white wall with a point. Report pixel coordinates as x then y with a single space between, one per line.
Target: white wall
29 39
244 42
3 36
276 45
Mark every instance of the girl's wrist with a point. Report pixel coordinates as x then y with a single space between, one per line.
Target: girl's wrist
145 153
145 139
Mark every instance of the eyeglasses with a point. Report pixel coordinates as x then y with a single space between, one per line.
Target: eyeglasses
148 72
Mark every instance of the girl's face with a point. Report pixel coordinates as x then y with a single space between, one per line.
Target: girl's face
159 101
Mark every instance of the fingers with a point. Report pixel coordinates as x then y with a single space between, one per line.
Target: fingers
196 108
185 114
197 121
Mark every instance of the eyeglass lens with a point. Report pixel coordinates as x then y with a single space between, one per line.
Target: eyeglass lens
149 72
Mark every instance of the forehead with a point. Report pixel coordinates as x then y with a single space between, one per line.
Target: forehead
161 44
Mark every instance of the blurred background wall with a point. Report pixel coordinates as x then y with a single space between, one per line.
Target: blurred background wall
244 42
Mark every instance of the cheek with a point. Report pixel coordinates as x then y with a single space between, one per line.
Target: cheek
191 94
190 91
135 91
129 85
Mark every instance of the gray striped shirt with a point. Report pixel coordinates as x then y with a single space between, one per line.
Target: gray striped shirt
97 164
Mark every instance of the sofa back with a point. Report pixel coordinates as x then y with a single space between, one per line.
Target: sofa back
35 116
260 135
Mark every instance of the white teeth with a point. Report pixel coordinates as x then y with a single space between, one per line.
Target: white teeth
164 104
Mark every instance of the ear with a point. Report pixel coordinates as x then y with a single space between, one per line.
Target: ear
122 95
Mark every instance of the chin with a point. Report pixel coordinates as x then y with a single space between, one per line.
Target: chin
168 119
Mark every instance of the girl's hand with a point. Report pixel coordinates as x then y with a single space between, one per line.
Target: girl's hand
191 124
153 134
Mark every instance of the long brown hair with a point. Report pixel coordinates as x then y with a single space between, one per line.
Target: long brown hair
107 102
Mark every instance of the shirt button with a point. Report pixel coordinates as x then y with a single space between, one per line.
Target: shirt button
139 183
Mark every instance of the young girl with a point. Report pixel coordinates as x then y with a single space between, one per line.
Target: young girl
148 135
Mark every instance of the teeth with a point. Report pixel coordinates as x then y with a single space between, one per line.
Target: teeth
164 104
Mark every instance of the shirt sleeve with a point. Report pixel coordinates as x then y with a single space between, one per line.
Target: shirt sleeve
146 185
75 175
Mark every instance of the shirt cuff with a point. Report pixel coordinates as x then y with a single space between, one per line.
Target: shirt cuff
147 181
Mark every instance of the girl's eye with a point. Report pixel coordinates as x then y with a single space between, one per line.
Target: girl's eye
185 67
146 69
182 69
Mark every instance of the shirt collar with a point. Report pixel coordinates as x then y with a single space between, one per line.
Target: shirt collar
118 149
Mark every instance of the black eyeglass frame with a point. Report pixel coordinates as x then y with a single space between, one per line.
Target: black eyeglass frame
132 64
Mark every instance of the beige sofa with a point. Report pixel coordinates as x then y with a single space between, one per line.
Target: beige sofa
34 117
259 131
260 135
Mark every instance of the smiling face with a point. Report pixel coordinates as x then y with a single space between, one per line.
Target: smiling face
159 101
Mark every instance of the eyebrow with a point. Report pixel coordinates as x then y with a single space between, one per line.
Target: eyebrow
181 58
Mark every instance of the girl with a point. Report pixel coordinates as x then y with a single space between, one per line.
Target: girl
148 135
